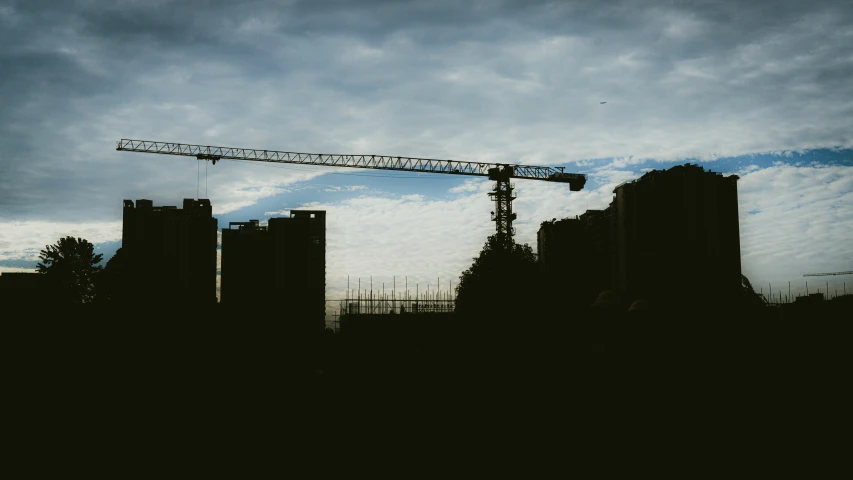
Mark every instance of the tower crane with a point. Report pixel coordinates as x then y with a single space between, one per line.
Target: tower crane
501 173
827 274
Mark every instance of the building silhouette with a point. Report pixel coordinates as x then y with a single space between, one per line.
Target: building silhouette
170 252
671 235
677 235
575 256
560 247
24 288
20 281
599 261
558 242
280 266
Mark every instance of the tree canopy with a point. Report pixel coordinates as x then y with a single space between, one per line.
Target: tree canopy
749 297
71 266
500 283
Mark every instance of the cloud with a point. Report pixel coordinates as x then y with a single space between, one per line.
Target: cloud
479 185
344 188
249 187
503 81
16 270
484 82
24 240
800 223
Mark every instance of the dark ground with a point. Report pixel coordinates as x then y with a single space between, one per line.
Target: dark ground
197 352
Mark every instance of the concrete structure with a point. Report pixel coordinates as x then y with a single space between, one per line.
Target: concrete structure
598 258
677 235
574 256
668 235
558 242
170 252
281 265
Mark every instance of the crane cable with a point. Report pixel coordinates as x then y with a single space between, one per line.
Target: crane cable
198 179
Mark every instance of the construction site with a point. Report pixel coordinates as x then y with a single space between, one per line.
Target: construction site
544 219
680 223
280 260
658 270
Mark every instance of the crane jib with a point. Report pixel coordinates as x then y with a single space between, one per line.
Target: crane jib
382 162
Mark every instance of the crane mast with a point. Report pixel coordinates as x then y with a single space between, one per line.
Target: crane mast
501 173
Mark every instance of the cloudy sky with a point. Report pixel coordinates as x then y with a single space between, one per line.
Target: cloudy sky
760 89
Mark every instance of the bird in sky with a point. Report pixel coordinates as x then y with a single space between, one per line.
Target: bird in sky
602 103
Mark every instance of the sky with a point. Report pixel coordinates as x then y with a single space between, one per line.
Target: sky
757 89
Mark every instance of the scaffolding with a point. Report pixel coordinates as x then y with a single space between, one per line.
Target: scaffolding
780 296
367 301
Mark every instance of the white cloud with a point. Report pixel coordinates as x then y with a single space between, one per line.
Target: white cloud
344 188
16 270
403 236
412 198
796 220
24 240
479 185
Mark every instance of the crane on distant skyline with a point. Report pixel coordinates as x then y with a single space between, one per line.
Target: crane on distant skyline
827 274
501 173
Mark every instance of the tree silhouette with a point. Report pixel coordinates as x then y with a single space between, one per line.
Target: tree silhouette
112 283
500 284
748 295
71 268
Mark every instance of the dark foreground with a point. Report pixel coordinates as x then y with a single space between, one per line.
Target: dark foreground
164 381
247 353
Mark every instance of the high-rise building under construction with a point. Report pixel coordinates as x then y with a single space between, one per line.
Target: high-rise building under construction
668 236
170 253
677 235
574 256
279 267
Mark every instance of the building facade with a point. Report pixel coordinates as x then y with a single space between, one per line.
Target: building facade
669 236
170 253
677 235
280 266
575 257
